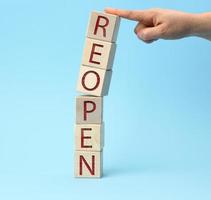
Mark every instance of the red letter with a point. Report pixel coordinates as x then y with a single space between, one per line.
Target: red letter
95 52
82 159
98 25
88 111
85 137
97 82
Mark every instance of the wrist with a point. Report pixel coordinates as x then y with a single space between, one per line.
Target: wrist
200 24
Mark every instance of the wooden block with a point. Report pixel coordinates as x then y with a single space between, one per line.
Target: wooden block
94 81
89 137
99 54
103 26
88 164
89 110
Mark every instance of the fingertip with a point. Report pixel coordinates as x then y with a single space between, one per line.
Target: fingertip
139 35
106 9
110 10
142 36
145 35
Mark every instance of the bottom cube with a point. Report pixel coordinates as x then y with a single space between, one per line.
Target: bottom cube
88 164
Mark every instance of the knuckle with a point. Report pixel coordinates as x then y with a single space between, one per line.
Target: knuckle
130 14
154 10
157 10
163 29
153 13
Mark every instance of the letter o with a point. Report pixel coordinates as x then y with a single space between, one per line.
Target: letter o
97 82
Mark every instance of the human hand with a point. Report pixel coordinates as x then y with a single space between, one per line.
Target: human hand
156 24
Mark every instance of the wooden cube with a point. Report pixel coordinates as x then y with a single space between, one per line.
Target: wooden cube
88 164
89 137
103 26
98 54
94 81
89 110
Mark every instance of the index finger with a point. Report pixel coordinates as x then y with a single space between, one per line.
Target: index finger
128 14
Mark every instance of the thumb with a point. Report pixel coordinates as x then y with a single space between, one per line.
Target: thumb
151 33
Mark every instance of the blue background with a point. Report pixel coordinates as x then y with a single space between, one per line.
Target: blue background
157 114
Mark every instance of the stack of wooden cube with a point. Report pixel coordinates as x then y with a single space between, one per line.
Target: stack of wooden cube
94 80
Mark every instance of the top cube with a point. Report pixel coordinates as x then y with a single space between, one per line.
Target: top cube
103 26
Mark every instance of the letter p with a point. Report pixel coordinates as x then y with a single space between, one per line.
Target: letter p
89 107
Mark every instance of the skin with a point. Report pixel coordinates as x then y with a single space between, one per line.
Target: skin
154 24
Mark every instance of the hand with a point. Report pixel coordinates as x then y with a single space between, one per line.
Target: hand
154 24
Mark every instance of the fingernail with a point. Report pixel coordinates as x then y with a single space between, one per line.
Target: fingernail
139 34
108 9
